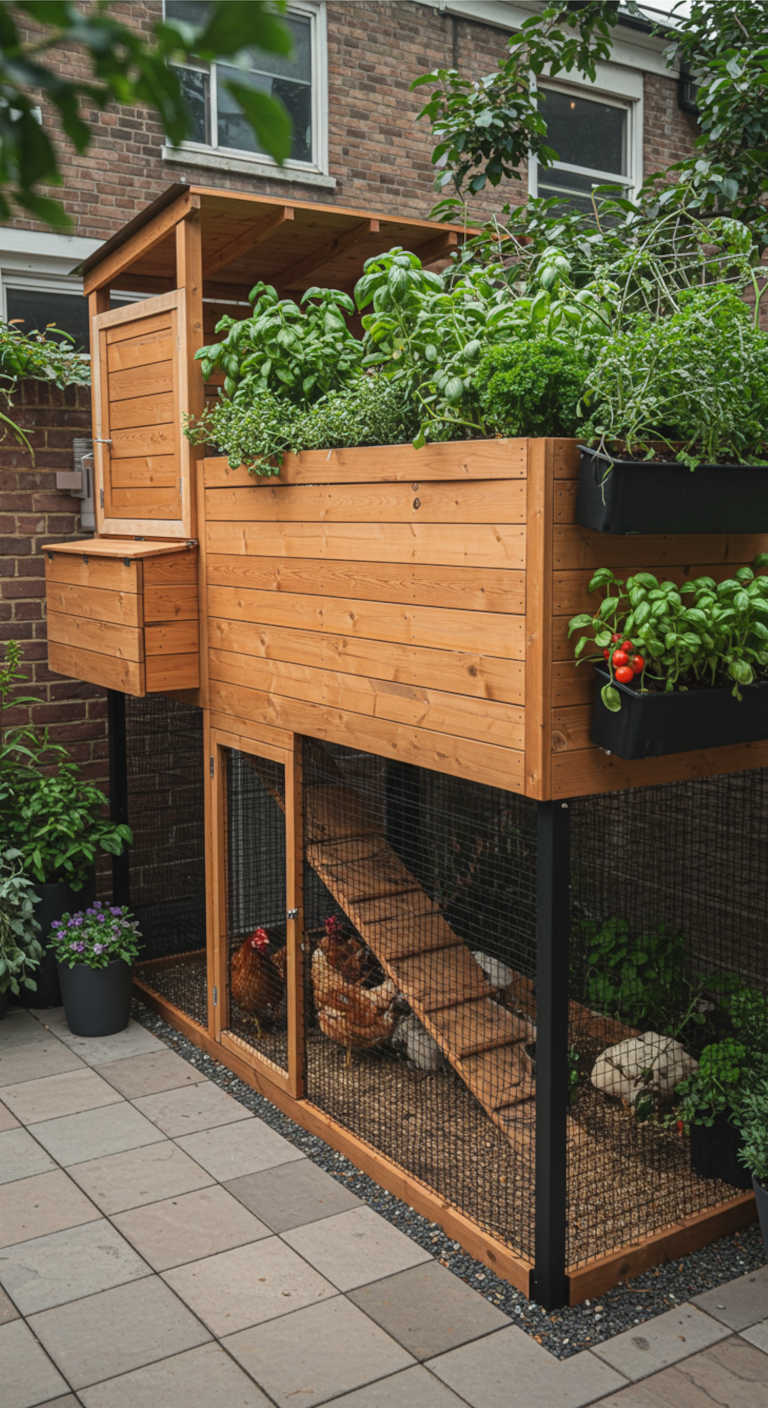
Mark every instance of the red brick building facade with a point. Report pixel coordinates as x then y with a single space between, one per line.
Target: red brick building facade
367 151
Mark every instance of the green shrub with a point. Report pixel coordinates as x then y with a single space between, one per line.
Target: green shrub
20 950
718 1084
640 978
531 387
753 1127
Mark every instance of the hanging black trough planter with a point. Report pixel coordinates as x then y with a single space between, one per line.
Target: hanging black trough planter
649 725
662 496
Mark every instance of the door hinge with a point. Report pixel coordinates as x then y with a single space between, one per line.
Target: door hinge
101 498
210 766
215 996
292 914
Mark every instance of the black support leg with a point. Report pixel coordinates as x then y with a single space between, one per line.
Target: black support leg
118 791
549 1281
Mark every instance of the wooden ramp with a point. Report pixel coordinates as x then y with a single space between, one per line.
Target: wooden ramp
428 962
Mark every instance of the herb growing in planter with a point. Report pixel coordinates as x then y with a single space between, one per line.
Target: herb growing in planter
711 1098
95 950
702 645
20 950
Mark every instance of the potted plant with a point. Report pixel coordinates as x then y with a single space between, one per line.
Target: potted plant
95 950
20 950
678 667
680 387
52 815
753 1154
710 1098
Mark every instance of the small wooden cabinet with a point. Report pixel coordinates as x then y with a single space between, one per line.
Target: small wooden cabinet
123 614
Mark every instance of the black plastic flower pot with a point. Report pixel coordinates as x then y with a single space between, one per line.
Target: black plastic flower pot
97 1001
662 496
650 725
761 1198
715 1150
53 901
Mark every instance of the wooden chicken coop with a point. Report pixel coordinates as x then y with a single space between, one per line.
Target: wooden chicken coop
400 786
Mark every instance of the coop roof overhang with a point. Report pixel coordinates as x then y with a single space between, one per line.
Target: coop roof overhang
291 244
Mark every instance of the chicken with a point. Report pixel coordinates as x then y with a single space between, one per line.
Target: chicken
356 1017
255 982
345 953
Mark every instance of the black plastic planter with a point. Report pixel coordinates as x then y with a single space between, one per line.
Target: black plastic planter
658 496
650 725
714 1153
97 1001
53 901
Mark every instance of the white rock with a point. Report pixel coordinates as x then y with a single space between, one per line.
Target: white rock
414 1039
497 973
650 1062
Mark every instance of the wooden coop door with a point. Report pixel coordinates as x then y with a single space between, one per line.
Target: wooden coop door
142 457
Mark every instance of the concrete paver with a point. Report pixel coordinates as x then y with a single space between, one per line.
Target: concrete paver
315 1297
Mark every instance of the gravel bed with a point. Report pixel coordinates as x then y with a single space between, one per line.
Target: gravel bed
562 1332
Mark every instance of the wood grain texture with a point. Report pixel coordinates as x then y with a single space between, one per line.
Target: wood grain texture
432 544
122 608
105 670
588 770
101 637
156 409
538 619
170 672
487 501
146 349
389 464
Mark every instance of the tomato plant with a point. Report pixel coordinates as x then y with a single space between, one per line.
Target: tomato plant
702 634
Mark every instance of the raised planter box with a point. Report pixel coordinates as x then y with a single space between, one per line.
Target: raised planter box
650 725
657 496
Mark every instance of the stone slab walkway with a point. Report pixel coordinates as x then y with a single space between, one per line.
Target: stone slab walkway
160 1245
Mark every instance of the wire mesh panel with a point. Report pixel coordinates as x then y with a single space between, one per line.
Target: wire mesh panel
668 919
419 899
256 904
164 759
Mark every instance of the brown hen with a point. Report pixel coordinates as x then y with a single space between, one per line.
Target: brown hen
255 982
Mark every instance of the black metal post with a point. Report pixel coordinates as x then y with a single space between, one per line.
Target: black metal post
118 791
549 1281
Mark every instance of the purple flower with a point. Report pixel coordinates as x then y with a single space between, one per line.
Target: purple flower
73 945
116 911
98 948
79 946
100 918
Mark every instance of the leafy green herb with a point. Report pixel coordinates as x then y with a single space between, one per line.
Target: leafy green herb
20 950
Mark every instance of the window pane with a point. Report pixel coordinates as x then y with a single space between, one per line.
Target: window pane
195 87
234 130
189 11
584 132
37 307
575 190
297 65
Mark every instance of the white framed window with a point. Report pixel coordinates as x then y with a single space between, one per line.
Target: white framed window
598 136
37 287
223 137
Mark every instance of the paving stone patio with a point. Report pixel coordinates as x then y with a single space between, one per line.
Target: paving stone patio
160 1245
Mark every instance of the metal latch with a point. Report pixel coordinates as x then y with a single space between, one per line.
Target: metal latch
292 914
210 766
215 996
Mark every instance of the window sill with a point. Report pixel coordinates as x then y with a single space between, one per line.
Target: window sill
219 161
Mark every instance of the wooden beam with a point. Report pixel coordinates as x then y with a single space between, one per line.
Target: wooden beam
296 275
250 239
438 248
143 240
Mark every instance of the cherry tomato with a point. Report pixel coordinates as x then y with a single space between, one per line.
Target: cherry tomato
615 637
620 657
606 653
628 646
638 664
625 674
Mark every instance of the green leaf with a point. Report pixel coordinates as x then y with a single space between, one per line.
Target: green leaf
611 698
268 118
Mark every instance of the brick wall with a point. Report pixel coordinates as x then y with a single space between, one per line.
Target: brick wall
32 512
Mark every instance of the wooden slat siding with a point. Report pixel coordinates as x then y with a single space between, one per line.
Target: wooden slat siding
431 544
140 326
148 349
102 637
499 767
107 671
162 504
152 440
388 464
169 672
442 628
477 589
171 638
579 548
579 773
471 673
538 619
152 471
490 501
570 727
167 602
96 549
265 735
103 574
178 569
570 594
142 411
409 704
142 380
571 686
122 608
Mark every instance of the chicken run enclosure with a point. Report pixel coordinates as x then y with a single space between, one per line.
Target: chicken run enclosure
345 696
